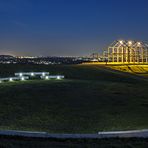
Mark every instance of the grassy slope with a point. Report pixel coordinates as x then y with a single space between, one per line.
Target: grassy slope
134 69
92 98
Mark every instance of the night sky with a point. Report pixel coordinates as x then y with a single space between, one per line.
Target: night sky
69 27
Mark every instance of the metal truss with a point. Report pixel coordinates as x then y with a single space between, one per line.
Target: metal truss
124 51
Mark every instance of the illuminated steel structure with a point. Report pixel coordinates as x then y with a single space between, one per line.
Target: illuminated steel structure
123 51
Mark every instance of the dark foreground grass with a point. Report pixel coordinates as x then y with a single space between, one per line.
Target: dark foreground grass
19 142
91 99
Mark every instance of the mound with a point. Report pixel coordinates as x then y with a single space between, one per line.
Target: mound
90 99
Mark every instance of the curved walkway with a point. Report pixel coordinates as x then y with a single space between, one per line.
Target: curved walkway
99 135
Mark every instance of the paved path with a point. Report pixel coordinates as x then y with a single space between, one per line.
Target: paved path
99 135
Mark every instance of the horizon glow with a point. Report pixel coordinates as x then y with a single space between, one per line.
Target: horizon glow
69 27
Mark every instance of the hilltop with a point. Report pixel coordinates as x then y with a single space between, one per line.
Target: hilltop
92 98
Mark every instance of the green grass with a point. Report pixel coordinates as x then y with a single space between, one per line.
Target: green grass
134 69
90 99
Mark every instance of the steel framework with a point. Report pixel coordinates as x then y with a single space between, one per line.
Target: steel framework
123 51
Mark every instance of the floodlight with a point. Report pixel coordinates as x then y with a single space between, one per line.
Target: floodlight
139 43
43 74
32 74
58 77
20 74
22 78
10 79
46 77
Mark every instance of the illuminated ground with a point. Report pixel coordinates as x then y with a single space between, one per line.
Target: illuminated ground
91 99
134 69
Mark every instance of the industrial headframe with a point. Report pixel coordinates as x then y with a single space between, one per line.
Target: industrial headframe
123 51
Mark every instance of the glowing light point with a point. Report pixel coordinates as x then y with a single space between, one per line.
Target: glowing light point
10 79
32 74
130 42
121 42
46 77
22 78
20 74
43 74
58 77
139 43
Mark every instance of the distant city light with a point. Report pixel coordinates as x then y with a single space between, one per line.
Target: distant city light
26 57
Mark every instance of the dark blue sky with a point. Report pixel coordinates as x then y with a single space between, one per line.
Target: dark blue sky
69 27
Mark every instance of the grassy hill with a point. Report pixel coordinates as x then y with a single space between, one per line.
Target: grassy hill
92 98
134 69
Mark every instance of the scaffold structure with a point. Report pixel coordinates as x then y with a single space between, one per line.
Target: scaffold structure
123 51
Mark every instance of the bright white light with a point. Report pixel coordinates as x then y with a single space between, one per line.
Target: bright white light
43 74
20 74
10 79
58 77
130 42
139 43
46 77
121 42
22 78
32 74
